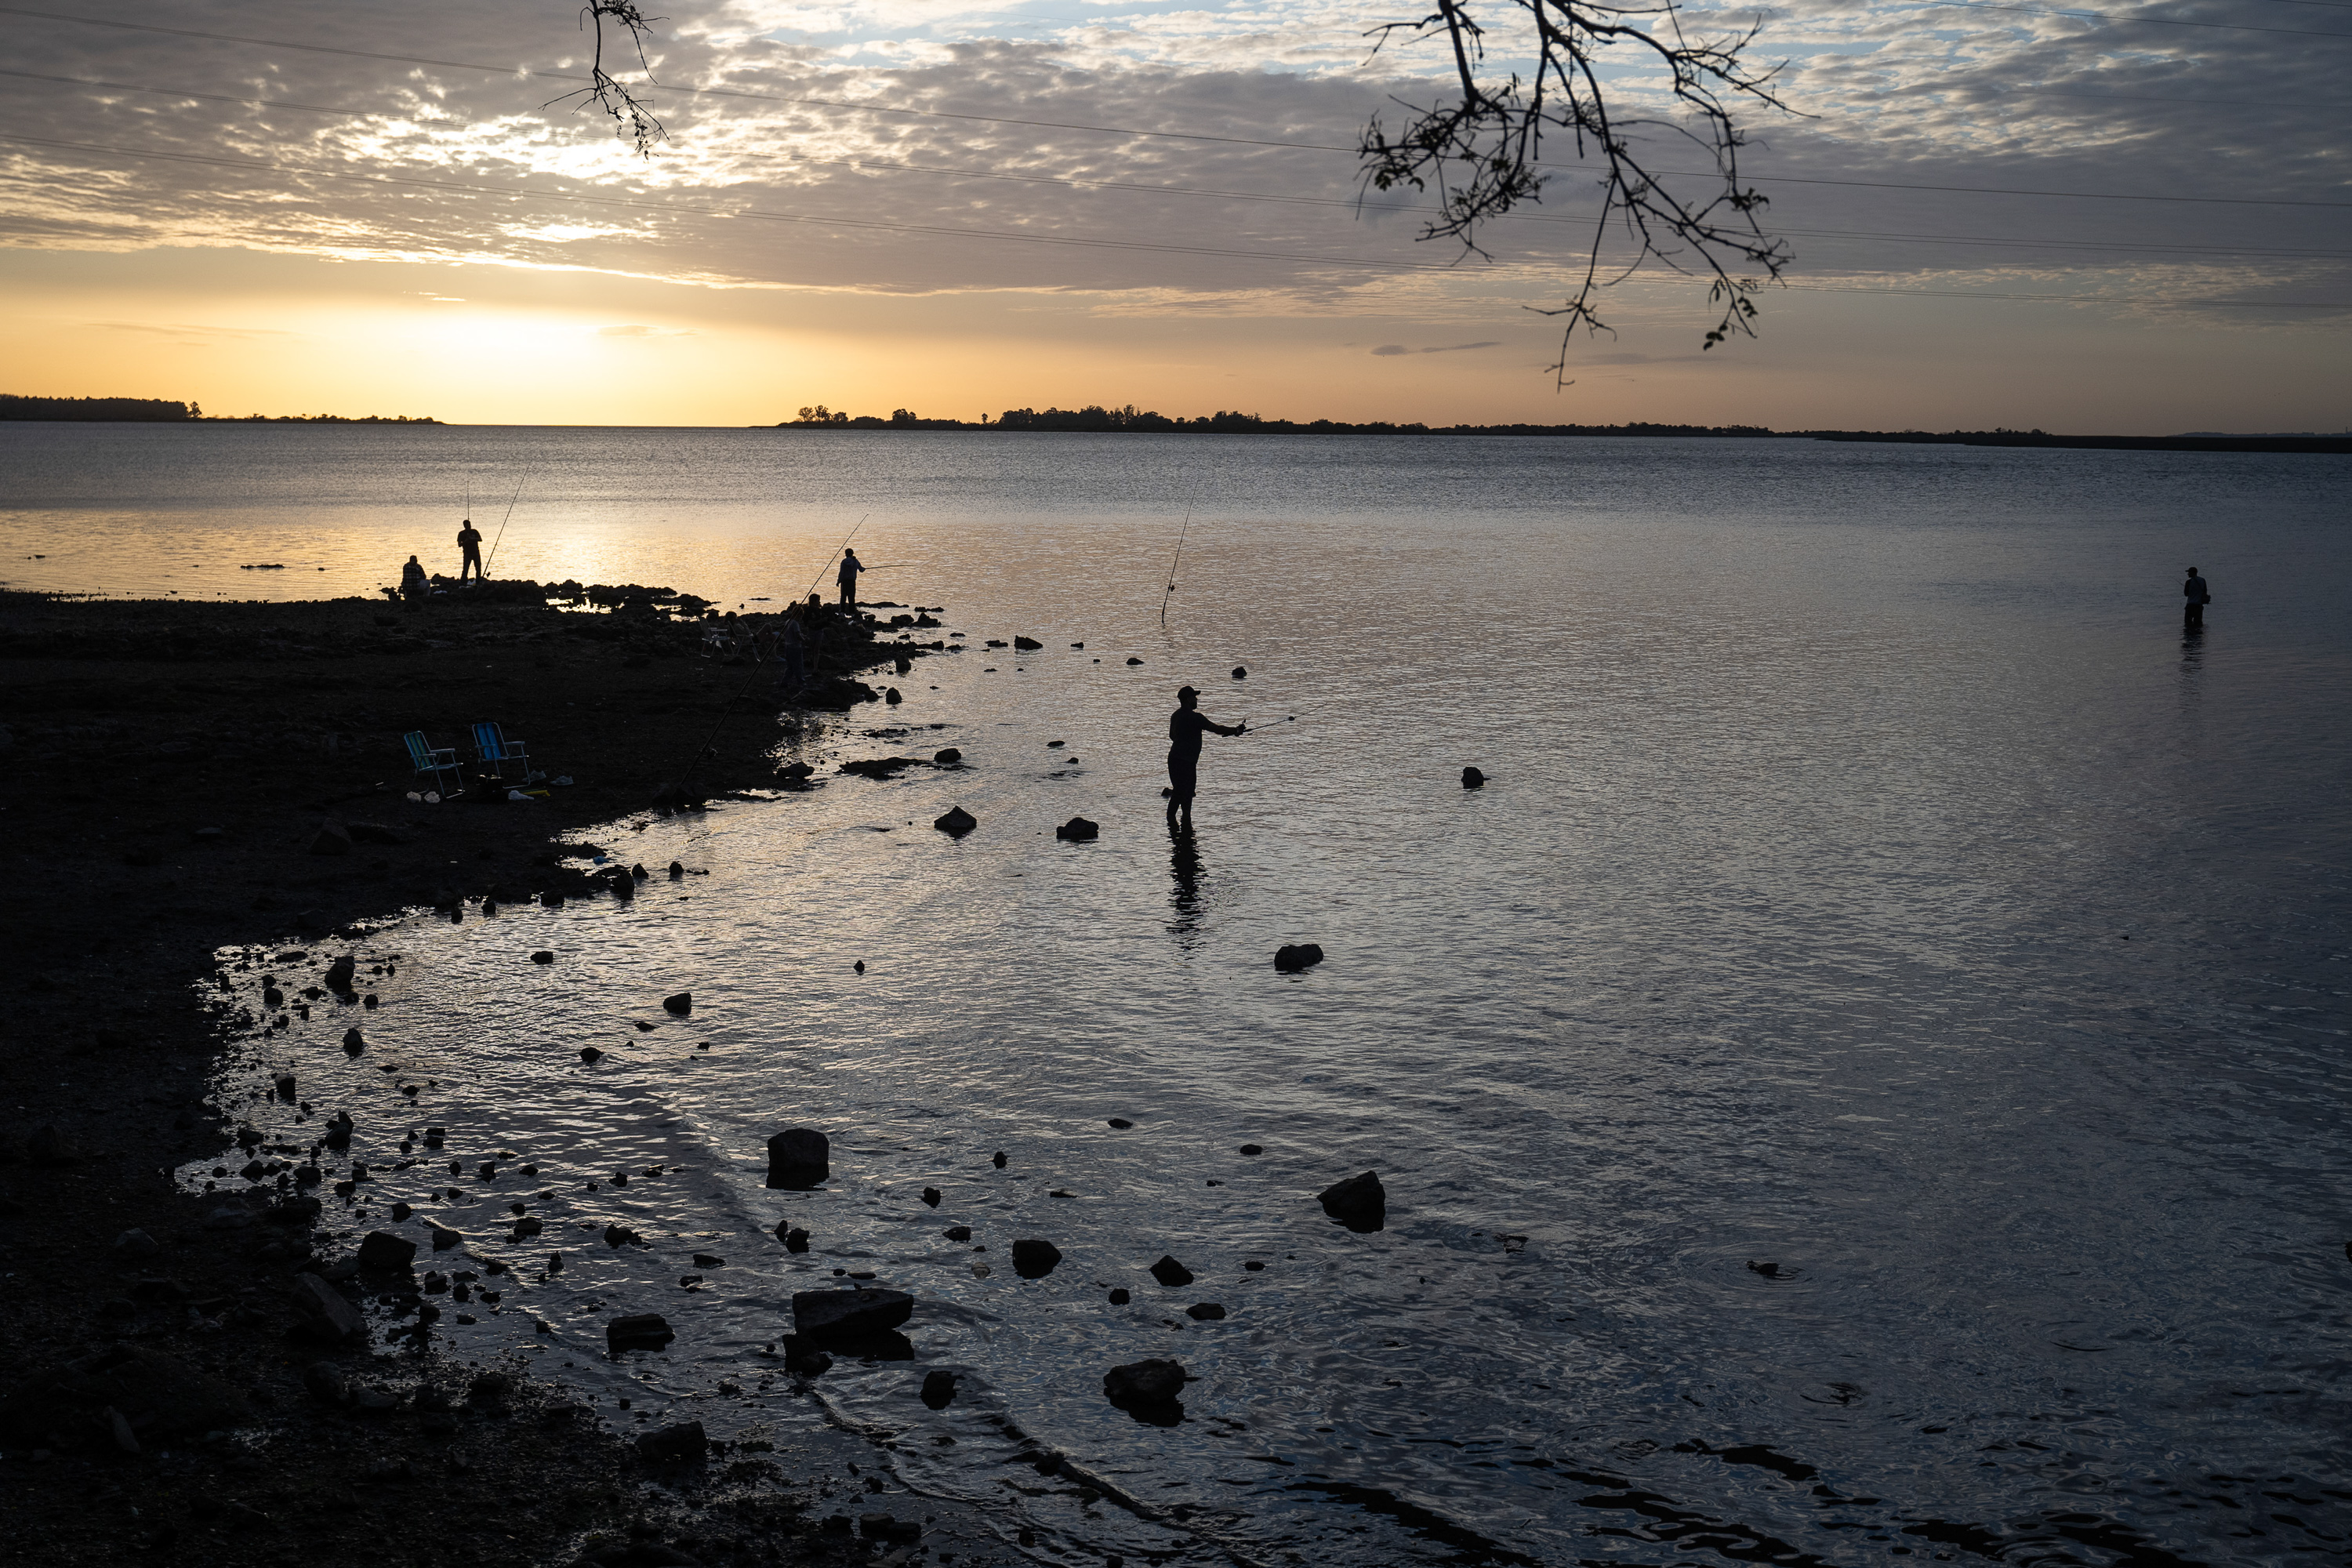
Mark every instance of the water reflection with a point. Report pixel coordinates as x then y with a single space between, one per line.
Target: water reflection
1185 867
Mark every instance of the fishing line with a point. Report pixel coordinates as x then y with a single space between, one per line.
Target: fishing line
1269 724
1171 563
502 521
728 711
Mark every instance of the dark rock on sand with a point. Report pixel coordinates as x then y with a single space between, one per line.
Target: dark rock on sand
838 1315
1291 959
939 1389
1473 779
799 1157
682 1003
683 1444
638 1331
956 823
1359 1203
1171 1273
1079 830
1034 1258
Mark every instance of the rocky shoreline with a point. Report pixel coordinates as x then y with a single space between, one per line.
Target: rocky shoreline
181 1383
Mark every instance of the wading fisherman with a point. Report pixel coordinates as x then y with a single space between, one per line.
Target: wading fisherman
1184 728
847 577
469 539
2195 594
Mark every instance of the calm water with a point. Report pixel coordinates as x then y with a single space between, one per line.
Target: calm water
1873 882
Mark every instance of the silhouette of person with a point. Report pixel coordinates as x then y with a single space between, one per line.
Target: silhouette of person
1184 729
847 577
2195 594
414 585
469 539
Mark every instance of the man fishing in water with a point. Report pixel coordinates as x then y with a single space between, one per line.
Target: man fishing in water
1184 728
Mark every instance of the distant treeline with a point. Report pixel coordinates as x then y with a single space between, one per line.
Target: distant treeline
1096 419
144 410
2090 443
162 411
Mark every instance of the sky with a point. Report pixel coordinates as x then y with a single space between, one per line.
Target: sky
2132 221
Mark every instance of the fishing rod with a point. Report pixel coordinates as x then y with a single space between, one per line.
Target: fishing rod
502 521
1171 563
1269 724
728 711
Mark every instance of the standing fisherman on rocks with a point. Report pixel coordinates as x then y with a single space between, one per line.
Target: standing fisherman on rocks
469 539
1184 728
847 577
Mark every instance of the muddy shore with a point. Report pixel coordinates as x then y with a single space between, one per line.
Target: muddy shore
164 777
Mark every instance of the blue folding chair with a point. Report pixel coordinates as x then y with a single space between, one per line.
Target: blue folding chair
494 751
434 764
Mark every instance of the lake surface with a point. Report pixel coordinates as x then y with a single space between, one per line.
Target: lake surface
1873 883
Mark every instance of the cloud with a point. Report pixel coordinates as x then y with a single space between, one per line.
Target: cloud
1386 350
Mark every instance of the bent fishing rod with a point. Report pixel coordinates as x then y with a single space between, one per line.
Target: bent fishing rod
728 711
502 521
1171 565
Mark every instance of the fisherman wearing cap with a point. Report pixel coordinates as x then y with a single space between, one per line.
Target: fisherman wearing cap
469 539
1185 727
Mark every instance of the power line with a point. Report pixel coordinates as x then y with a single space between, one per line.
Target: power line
1138 187
1130 130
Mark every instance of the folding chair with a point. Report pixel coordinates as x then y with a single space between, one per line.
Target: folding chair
494 751
433 762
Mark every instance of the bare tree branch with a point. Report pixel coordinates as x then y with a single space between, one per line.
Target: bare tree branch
1482 151
608 92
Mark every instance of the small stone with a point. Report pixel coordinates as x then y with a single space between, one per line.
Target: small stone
1144 1383
380 1249
1122 1122
849 1314
1473 779
947 754
1774 1271
683 1444
708 1260
1135 661
931 1196
443 1237
799 1157
543 957
1251 1150
1241 672
956 822
591 1055
352 1044
958 1233
1291 959
682 1003
1359 1203
1206 1312
1034 1258
1119 1297
325 1382
939 1389
675 871
999 1162
400 1212
1078 830
638 1330
1171 1273
794 1238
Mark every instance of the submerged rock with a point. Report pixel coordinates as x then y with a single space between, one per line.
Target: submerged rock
1171 1273
1291 959
1152 1386
638 1330
381 1249
1473 779
849 1314
794 1238
1359 1203
1027 645
1078 829
931 1196
946 755
682 1003
956 822
1206 1312
939 1389
683 1444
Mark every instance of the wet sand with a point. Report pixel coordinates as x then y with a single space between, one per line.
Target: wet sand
166 771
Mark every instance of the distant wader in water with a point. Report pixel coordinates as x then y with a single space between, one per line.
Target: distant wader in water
1184 728
2195 594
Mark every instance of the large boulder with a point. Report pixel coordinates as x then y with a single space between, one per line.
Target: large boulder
1359 1203
839 1315
799 1157
381 1249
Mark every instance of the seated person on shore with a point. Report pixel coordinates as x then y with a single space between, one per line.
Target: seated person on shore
414 585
